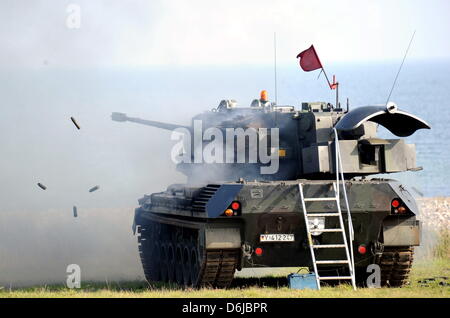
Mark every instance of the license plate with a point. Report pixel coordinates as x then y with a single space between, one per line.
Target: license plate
276 238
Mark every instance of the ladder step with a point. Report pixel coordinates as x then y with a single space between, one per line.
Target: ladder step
330 246
333 262
327 230
320 199
321 214
334 277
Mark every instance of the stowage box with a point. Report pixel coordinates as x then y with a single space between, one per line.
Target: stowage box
302 281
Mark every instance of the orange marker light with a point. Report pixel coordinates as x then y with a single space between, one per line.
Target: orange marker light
229 212
264 96
401 210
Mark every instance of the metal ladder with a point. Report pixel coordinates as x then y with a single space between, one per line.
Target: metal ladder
349 261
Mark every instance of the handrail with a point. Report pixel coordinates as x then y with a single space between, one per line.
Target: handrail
340 173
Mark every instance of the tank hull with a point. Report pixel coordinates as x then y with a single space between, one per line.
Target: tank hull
211 246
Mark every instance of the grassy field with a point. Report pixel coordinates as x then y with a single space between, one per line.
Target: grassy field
428 279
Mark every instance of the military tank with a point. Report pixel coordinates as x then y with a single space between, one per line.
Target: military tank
244 203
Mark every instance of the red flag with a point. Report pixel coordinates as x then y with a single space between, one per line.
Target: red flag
309 61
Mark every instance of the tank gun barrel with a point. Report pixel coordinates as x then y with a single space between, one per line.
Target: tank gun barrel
121 117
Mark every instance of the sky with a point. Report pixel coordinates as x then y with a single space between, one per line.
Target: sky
140 33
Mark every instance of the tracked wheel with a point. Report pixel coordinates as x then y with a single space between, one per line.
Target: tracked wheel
396 263
156 262
195 265
173 254
164 273
179 264
186 265
171 262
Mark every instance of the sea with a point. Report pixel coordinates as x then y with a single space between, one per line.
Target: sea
39 143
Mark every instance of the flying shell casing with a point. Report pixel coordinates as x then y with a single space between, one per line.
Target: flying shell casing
75 122
94 188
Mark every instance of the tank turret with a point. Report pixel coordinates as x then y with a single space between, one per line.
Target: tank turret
270 142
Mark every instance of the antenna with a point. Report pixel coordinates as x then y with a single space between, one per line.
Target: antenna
275 65
401 65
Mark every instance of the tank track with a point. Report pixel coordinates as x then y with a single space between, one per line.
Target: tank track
395 264
170 254
218 268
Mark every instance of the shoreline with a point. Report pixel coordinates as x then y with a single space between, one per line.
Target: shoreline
434 212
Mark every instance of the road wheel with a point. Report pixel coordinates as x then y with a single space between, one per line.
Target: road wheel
179 264
186 265
195 265
164 273
171 262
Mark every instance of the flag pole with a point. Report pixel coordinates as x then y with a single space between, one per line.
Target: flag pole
337 95
325 73
321 66
334 85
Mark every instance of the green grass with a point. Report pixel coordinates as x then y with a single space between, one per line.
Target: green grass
426 281
442 247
